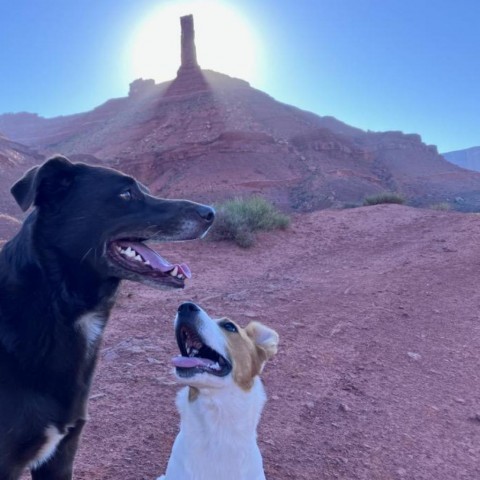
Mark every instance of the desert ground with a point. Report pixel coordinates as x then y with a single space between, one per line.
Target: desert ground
377 375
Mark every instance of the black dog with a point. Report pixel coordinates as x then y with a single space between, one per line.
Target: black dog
58 279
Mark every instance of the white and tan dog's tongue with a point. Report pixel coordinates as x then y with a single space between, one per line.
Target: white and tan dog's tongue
190 362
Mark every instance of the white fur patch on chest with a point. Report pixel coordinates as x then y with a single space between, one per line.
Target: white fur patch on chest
52 438
91 327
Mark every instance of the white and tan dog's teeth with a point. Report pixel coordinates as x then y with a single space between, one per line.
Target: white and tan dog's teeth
193 350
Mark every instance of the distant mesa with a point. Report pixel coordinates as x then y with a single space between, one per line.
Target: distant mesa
467 158
207 136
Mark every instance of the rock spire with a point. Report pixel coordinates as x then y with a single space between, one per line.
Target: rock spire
189 76
189 51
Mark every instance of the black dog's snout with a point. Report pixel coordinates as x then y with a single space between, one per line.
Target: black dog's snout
188 307
207 213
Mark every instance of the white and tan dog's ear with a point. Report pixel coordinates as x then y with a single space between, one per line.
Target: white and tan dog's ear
265 339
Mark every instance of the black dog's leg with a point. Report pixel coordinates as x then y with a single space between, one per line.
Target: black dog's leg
60 466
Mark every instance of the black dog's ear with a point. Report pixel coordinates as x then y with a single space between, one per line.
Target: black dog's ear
43 183
23 191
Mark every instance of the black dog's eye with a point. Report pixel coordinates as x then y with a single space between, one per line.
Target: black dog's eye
126 195
230 327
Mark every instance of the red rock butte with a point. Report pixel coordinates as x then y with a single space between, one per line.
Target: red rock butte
207 136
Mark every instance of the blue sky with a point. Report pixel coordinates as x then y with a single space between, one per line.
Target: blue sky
409 65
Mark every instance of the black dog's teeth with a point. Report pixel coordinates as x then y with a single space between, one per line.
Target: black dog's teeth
130 253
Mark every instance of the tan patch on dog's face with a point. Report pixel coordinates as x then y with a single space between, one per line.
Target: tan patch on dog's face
248 350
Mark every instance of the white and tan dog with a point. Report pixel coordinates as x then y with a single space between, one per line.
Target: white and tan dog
221 406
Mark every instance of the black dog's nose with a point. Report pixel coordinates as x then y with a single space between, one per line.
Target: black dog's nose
207 213
188 307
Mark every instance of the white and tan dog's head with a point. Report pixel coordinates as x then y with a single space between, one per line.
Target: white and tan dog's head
217 353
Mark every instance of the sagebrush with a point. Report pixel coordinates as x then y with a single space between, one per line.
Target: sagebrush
386 197
238 220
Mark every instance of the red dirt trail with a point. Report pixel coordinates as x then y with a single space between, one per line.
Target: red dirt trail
377 375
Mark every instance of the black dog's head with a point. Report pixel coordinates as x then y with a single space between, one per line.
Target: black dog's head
100 217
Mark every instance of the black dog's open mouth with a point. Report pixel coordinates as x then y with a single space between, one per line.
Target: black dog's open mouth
197 357
138 260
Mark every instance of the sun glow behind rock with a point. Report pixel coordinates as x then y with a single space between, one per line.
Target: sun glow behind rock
225 41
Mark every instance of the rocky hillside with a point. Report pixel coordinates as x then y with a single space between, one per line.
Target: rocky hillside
208 136
221 137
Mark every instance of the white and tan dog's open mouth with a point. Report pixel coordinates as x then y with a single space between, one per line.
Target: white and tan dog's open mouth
196 356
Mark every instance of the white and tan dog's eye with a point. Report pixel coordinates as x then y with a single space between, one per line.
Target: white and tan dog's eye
229 327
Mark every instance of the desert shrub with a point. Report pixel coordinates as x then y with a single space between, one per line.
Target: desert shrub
442 206
238 220
386 197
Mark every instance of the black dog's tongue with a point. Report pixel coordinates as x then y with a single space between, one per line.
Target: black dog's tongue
156 261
